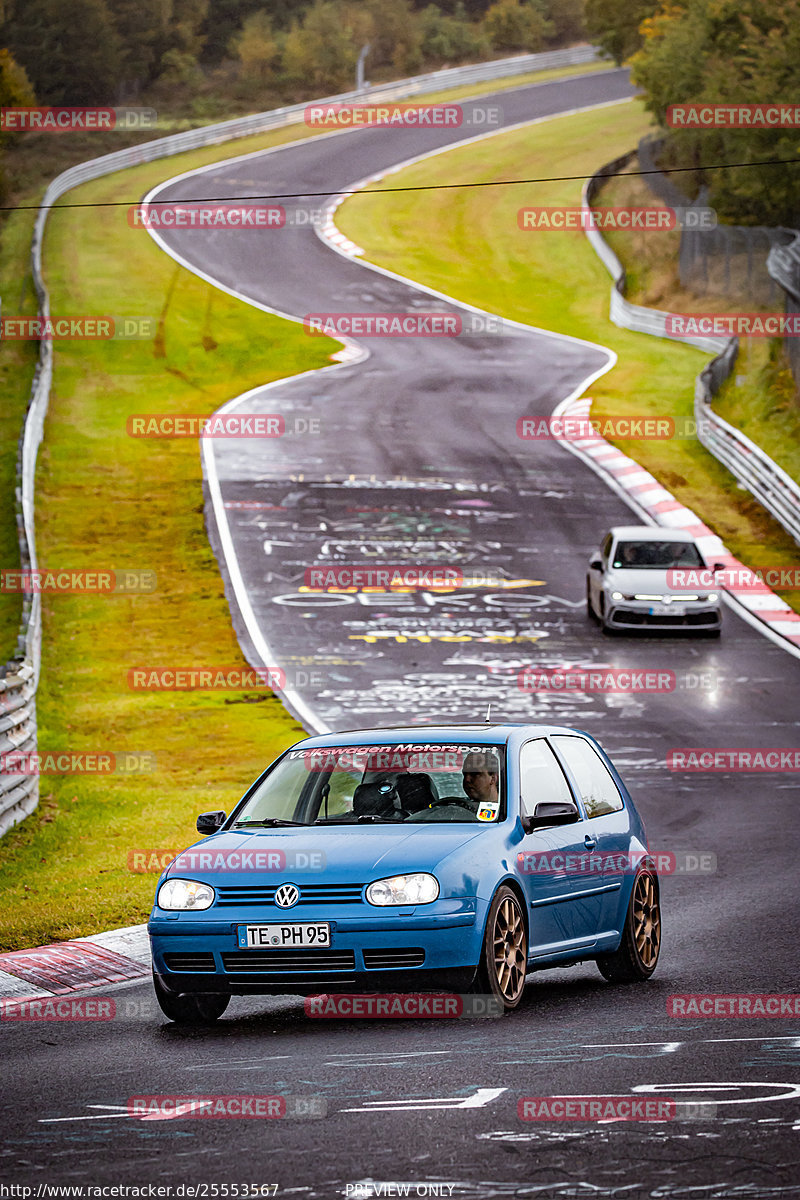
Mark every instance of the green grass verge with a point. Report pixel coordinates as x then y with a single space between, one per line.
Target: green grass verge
105 499
761 397
17 363
467 243
30 164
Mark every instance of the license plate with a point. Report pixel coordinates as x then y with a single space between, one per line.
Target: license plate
276 937
678 610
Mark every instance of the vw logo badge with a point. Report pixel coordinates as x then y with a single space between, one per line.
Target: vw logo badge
287 895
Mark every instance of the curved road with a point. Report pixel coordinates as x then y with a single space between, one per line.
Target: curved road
418 462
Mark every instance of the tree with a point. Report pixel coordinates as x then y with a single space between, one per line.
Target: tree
614 25
255 47
70 52
394 36
184 26
734 51
566 18
517 25
322 52
15 87
451 39
141 29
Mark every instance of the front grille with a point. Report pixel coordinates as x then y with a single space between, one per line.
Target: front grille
633 617
280 962
383 960
310 893
190 960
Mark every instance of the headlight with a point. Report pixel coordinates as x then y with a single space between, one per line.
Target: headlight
183 894
713 596
403 889
616 595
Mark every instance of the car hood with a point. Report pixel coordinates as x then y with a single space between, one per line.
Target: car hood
353 852
631 581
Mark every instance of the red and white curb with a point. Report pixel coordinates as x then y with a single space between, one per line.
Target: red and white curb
118 956
328 231
660 507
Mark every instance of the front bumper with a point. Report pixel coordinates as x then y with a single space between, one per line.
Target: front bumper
634 614
411 950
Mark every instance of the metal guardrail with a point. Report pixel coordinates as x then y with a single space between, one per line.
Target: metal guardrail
754 469
622 312
19 794
783 264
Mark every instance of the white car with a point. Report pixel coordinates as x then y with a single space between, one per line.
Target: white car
635 580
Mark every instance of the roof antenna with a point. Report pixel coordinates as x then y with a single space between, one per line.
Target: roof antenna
488 716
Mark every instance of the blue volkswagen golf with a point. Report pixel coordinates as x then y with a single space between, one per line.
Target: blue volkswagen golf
430 858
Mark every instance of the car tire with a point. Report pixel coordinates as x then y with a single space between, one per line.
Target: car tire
638 952
606 629
504 955
199 1008
591 614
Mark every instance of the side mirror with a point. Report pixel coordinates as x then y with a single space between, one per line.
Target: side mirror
210 822
717 567
596 564
551 812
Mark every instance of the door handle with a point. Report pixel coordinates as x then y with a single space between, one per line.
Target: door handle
590 841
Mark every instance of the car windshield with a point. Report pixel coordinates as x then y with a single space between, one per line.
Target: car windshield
407 783
659 556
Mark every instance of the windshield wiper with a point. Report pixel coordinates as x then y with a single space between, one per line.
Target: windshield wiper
353 819
269 822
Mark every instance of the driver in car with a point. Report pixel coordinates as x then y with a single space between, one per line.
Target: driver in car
480 775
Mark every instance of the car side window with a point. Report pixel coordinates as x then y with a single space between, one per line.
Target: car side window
599 793
541 777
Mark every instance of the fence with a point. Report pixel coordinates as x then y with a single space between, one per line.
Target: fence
729 259
783 265
19 794
762 477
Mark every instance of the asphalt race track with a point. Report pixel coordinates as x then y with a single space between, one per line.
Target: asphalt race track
417 462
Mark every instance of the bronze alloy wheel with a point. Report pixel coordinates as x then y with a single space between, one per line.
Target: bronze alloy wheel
638 951
646 920
507 948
